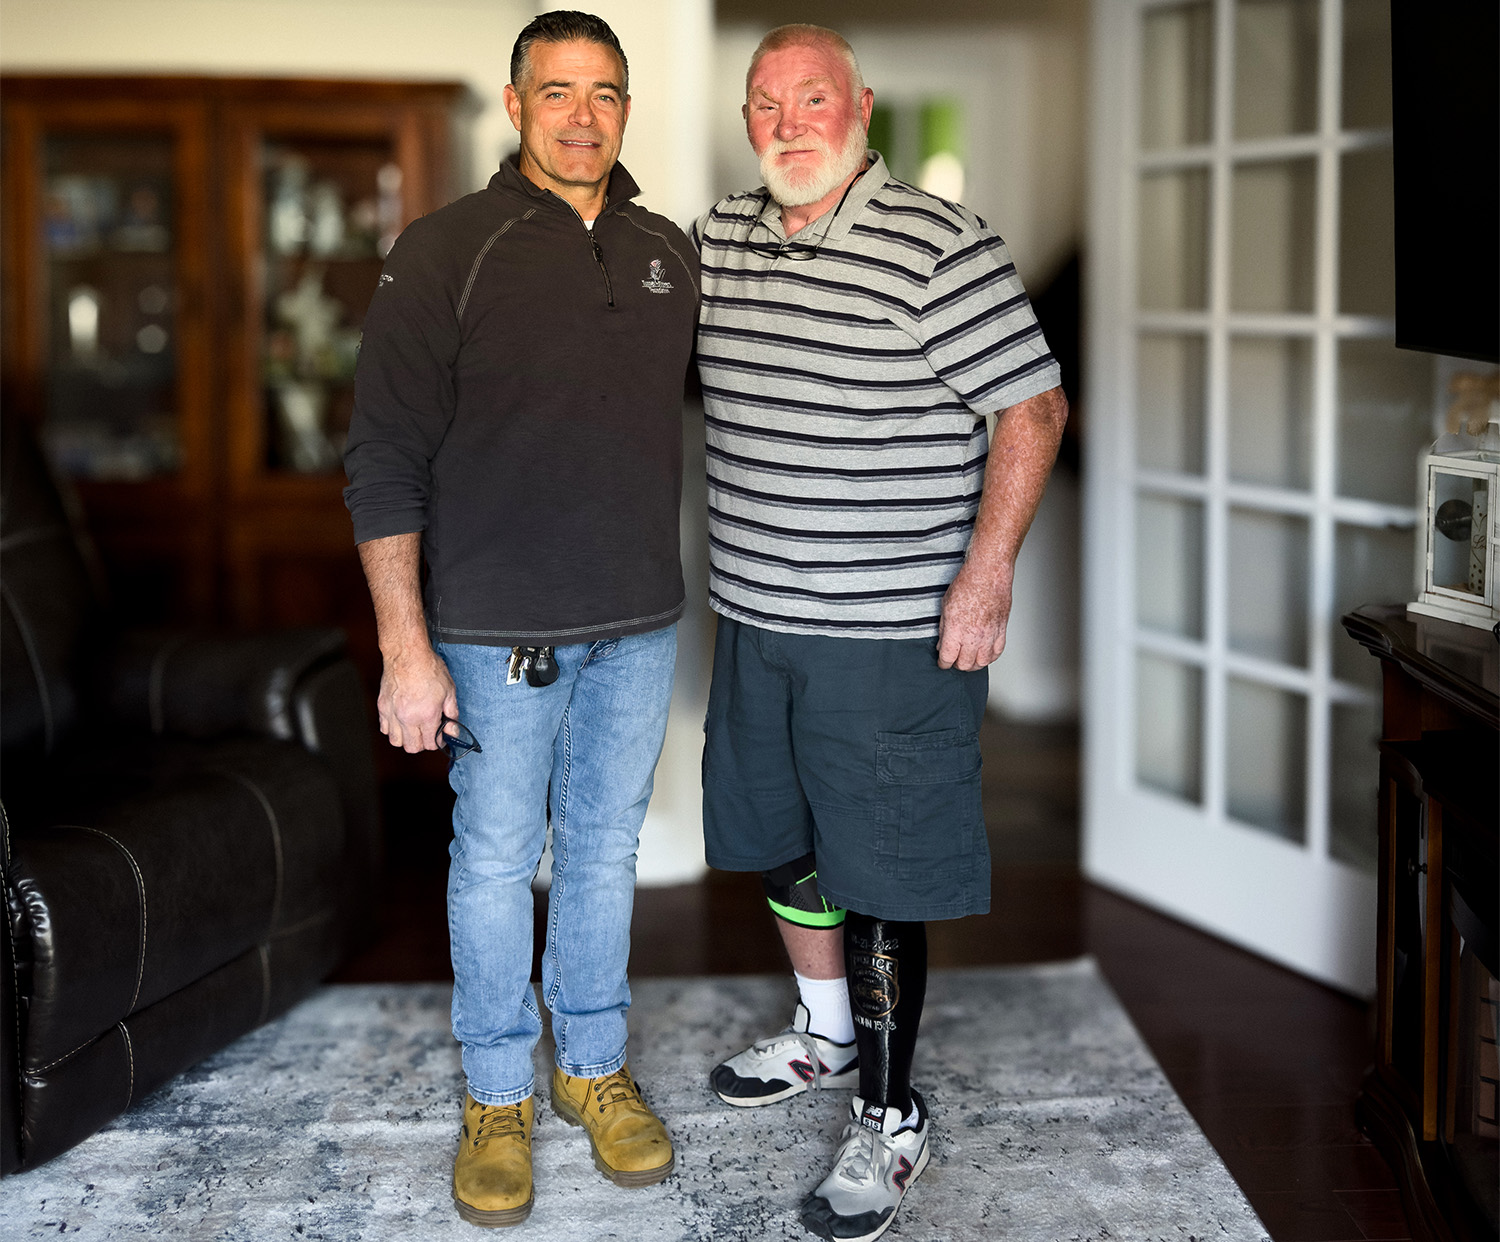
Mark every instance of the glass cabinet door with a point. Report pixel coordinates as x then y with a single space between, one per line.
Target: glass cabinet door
330 209
111 292
316 196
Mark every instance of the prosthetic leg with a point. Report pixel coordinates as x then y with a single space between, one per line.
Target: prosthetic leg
884 1146
886 963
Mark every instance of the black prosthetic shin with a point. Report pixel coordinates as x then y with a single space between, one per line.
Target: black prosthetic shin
887 967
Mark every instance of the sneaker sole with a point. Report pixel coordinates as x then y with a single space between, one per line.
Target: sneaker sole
628 1178
831 1082
497 1219
916 1172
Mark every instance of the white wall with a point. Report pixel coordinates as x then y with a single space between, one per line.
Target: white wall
1024 91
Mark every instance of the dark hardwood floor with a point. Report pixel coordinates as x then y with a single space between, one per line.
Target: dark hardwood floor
1268 1063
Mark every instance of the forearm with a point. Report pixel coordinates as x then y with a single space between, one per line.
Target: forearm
416 691
393 570
1021 457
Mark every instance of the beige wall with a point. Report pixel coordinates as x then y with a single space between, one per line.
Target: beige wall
464 40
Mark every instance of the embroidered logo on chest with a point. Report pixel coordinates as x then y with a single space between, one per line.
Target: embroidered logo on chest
654 281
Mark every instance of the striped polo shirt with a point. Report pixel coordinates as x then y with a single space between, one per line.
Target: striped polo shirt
845 396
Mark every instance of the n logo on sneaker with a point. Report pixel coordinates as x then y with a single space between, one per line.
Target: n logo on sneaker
901 1174
873 1118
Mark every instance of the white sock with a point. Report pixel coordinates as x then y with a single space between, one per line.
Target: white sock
827 1002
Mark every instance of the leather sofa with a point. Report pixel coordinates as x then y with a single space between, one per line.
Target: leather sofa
188 830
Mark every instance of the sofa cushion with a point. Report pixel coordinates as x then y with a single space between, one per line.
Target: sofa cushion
162 863
47 602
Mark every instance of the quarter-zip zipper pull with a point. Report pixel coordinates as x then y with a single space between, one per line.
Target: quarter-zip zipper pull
609 288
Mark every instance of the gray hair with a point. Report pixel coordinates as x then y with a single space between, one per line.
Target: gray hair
801 34
564 26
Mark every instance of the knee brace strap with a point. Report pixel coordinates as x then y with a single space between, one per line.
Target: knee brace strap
792 893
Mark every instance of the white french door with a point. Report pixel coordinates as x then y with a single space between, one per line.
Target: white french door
1251 472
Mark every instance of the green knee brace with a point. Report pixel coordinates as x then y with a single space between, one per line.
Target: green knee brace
792 893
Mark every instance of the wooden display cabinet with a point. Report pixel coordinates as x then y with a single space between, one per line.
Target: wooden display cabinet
1429 1102
186 266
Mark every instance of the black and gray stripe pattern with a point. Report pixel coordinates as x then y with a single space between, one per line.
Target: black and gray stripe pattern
845 398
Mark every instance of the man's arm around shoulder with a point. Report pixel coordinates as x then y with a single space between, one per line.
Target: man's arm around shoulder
976 609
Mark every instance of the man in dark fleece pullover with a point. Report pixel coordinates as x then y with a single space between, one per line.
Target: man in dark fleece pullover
517 423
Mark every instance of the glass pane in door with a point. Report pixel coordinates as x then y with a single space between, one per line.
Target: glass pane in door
1265 757
1270 411
1272 208
1176 75
1268 585
1171 389
1367 222
331 209
1169 727
1367 64
1174 240
1169 566
1275 67
1354 772
111 289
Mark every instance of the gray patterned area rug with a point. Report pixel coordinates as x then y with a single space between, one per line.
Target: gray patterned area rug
339 1122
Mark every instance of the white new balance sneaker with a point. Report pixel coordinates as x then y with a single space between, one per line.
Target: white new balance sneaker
785 1065
875 1165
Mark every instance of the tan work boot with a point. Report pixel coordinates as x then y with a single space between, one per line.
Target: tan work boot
631 1146
492 1171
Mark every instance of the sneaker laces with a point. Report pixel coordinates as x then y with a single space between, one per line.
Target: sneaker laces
792 1036
498 1121
858 1160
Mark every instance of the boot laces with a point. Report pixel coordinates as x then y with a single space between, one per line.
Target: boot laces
498 1121
616 1088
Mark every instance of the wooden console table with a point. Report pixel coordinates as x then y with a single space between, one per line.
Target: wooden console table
1429 1103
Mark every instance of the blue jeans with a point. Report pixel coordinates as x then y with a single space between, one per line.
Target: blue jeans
594 736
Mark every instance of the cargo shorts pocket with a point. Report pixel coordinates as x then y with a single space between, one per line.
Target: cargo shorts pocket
928 810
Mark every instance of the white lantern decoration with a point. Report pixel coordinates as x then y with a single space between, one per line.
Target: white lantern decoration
1457 556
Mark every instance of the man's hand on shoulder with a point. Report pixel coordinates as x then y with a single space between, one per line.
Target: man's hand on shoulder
416 692
976 609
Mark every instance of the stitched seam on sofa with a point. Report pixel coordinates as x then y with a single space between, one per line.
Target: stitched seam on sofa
265 984
130 1060
15 978
479 259
265 803
35 660
312 920
140 883
72 1052
155 684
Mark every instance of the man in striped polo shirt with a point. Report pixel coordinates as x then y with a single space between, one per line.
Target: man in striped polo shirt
854 334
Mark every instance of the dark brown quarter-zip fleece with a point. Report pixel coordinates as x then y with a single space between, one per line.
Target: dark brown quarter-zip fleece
518 400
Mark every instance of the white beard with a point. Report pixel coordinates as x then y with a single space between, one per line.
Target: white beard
801 186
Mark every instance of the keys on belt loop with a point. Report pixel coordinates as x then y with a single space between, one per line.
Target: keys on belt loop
536 664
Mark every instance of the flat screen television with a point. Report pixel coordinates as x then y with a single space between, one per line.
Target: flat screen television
1445 97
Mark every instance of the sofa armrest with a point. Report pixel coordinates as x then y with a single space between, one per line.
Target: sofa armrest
201 685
